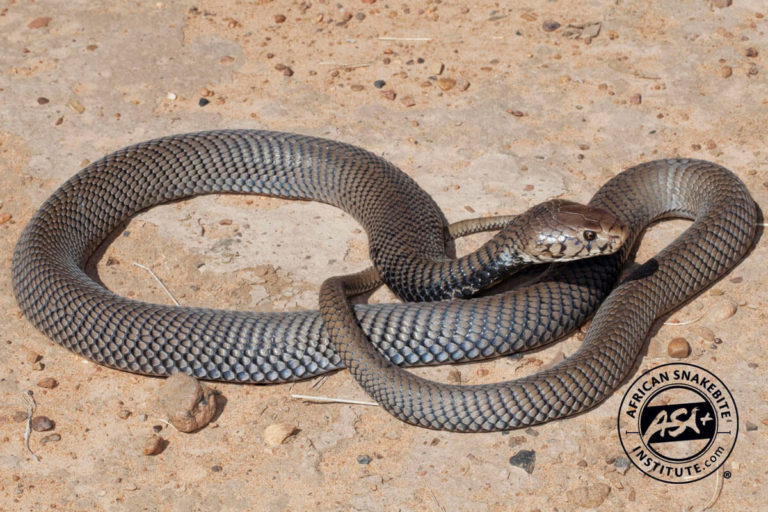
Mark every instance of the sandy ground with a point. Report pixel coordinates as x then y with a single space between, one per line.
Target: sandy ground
490 112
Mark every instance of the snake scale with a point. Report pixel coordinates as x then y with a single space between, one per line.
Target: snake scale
407 239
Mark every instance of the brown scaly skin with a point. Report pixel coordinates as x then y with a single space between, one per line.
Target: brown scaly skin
405 227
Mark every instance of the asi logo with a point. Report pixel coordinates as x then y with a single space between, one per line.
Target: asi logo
678 423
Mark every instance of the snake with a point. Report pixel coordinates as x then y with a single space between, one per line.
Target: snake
439 322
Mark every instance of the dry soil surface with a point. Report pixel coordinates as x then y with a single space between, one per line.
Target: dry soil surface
489 108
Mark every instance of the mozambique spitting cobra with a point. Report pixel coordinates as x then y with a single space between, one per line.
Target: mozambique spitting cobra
407 240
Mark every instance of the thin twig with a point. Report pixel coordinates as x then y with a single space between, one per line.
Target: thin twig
161 420
349 66
31 405
319 382
718 489
329 400
687 322
159 282
439 506
388 38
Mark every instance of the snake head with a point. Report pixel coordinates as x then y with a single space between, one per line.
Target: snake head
561 230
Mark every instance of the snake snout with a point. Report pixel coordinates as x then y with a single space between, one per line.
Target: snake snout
563 231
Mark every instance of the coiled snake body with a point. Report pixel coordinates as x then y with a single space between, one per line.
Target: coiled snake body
406 231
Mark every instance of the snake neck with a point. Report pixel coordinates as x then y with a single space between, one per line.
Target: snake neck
464 276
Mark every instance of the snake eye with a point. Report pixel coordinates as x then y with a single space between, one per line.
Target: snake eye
589 235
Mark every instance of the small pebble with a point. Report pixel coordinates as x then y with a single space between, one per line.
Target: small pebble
42 424
717 341
31 356
750 426
203 102
516 113
48 383
679 348
702 332
751 52
189 404
39 22
462 84
364 459
753 70
723 311
280 18
142 417
123 414
389 94
288 71
216 468
153 445
76 106
582 463
525 459
437 68
408 101
636 99
726 71
157 428
171 96
276 434
446 84
379 84
622 465
38 366
454 376
359 16
357 87
721 4
550 25
50 438
588 496
43 101
4 218
225 222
